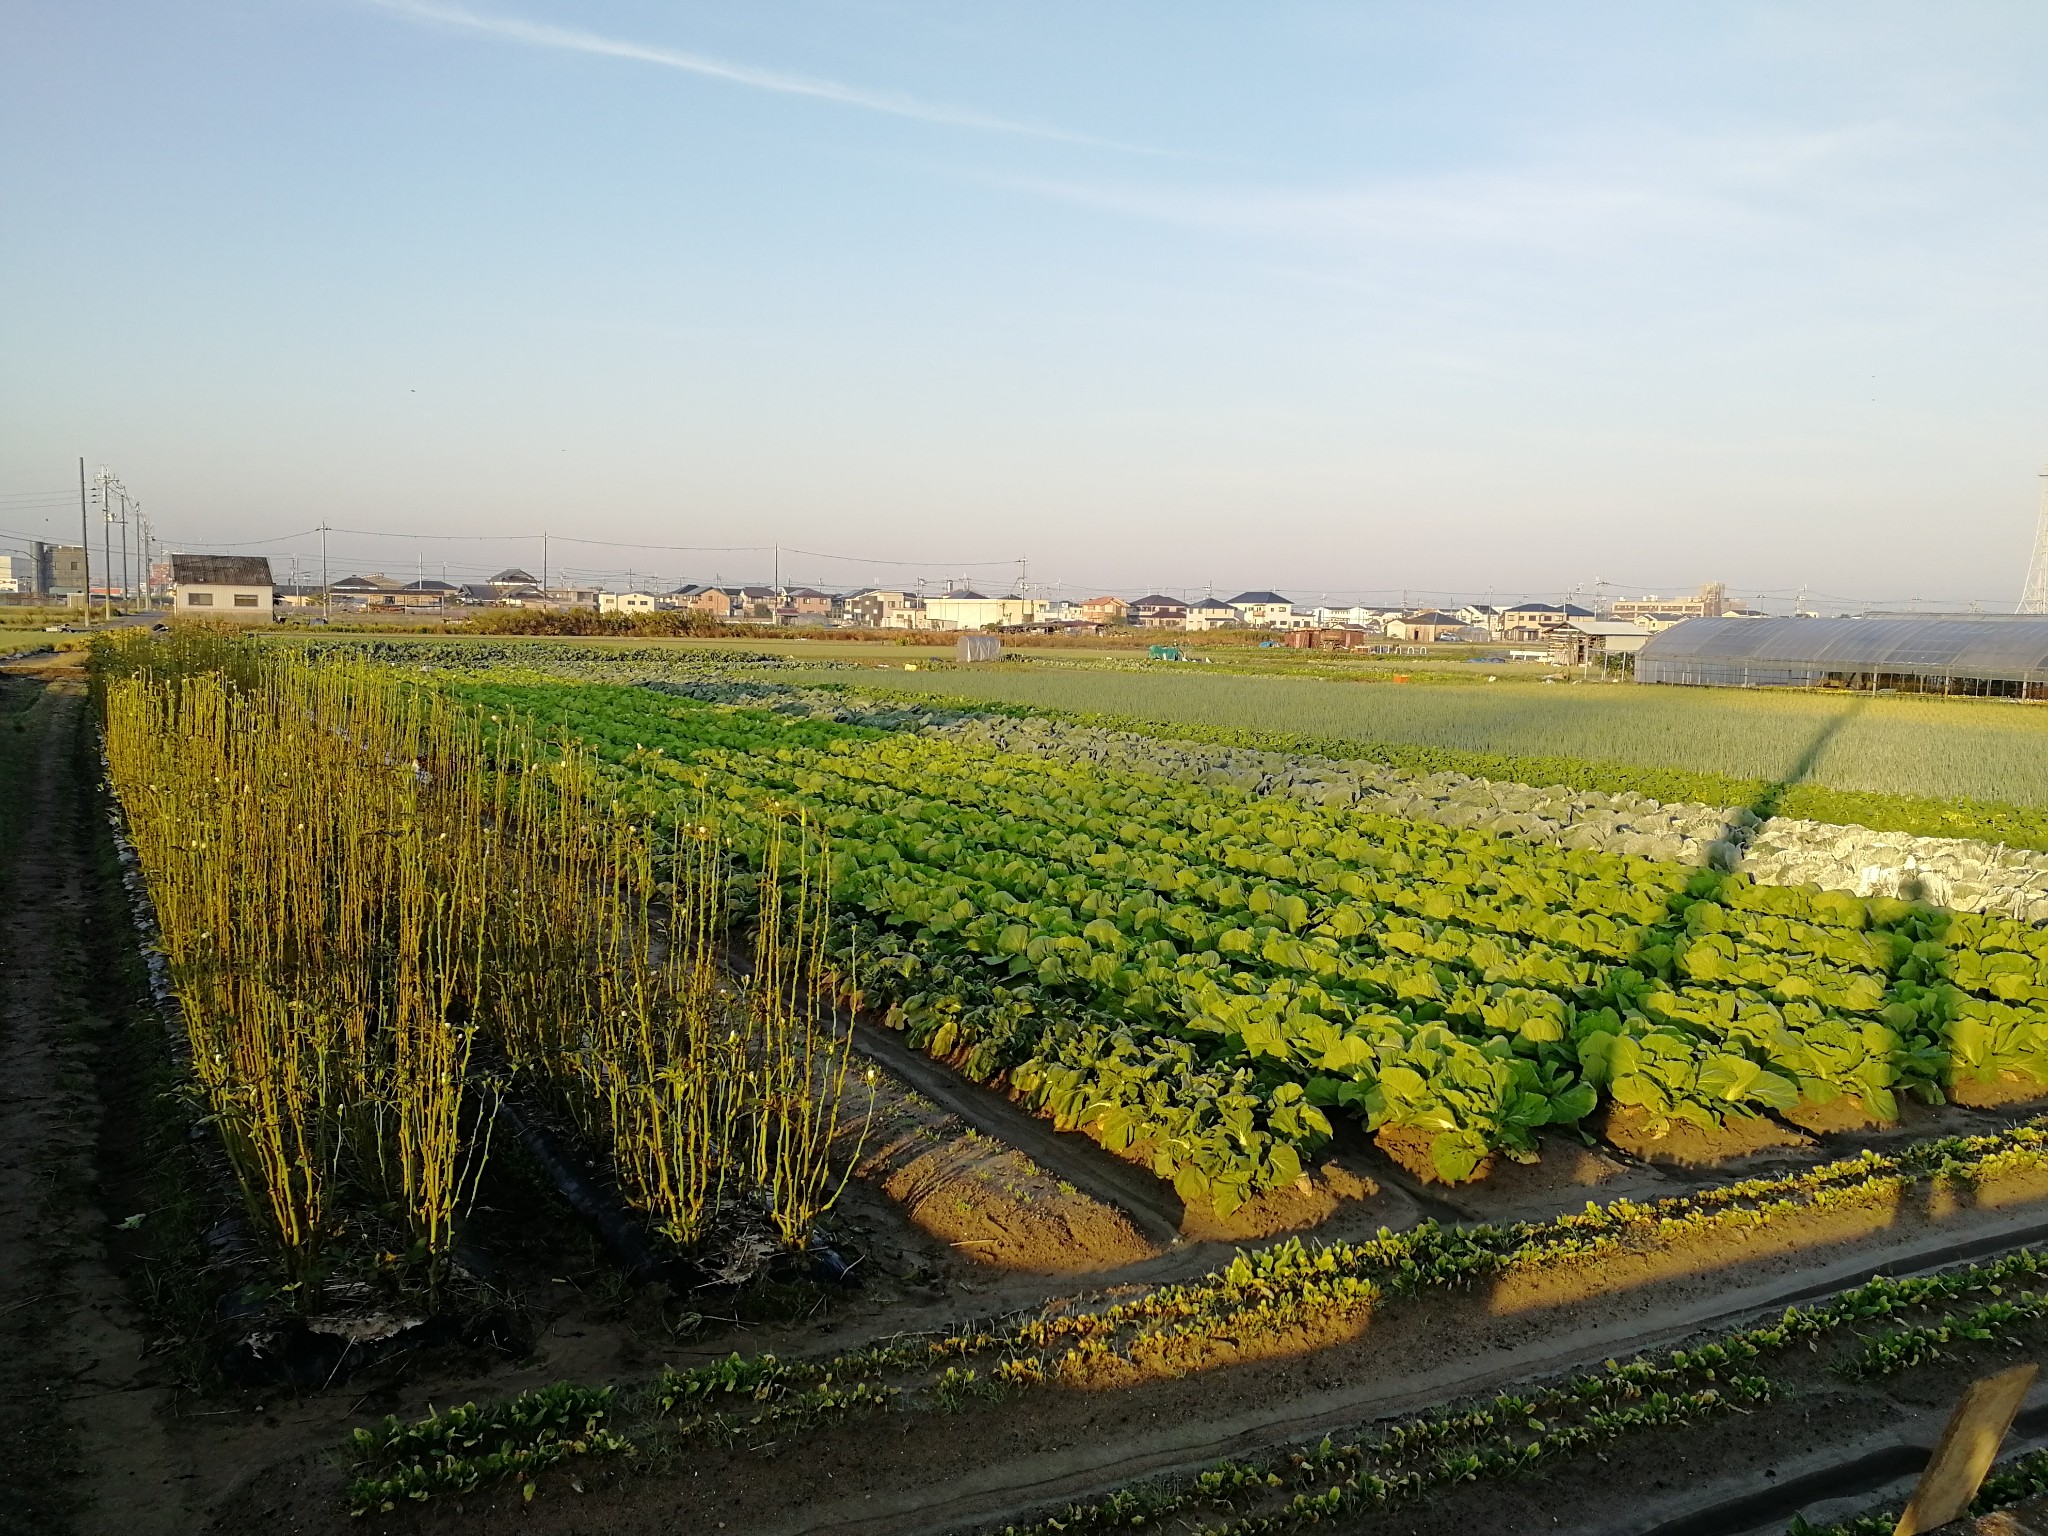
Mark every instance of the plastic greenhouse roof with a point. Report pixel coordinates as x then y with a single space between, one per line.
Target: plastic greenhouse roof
1993 646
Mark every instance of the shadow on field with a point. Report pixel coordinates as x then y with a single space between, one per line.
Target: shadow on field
1766 805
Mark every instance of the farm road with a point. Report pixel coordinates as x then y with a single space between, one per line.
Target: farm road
82 1444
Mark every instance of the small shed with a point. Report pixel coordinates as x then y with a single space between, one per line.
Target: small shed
234 587
979 648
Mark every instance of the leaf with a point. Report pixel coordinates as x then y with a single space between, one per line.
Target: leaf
1456 1154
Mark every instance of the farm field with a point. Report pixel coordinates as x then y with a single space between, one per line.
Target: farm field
779 1110
1886 745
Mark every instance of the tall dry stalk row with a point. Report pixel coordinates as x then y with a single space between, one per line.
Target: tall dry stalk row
358 881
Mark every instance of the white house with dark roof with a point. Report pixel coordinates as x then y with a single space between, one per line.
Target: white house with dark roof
237 588
1262 610
1212 613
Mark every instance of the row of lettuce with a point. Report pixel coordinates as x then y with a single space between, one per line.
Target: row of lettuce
1207 975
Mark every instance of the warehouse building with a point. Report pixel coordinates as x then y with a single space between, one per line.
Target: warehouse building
1992 655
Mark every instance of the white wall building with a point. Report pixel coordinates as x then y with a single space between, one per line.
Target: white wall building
970 610
237 588
627 602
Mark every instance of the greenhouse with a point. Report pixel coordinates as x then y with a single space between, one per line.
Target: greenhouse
1995 656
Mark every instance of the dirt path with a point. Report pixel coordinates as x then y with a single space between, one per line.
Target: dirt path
82 1411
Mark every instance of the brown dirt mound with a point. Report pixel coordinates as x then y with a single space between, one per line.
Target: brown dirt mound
1848 1113
1687 1145
1409 1149
1313 1201
2007 1089
1567 1175
985 1199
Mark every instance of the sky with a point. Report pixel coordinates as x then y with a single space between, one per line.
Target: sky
1372 300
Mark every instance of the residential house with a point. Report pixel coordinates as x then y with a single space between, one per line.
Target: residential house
1426 627
1536 621
1261 610
1159 612
715 601
563 597
374 591
805 605
627 602
1212 613
428 593
235 587
1480 616
754 605
1357 616
1657 623
1104 610
514 579
884 608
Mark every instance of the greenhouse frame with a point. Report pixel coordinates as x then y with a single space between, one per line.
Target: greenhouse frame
1985 656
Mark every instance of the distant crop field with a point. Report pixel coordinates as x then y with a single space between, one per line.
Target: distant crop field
1886 745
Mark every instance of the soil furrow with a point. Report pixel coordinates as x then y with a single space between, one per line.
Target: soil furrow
1149 1202
1016 1489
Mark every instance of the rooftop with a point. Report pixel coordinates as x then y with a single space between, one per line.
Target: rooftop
220 570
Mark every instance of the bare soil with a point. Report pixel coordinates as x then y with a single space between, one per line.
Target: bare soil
82 1404
2009 1090
1686 1145
984 1198
1409 1150
1847 1113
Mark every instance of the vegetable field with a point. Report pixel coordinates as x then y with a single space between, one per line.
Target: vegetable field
1890 746
613 1089
1207 976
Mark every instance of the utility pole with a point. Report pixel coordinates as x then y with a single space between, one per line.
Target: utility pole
127 573
84 544
543 562
106 540
326 592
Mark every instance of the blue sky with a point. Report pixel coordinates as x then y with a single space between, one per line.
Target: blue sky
1351 298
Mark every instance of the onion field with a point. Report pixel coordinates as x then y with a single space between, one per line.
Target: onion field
1882 745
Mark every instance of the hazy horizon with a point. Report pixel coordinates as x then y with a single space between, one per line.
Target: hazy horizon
1322 298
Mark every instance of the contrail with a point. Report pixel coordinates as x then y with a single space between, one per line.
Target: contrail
545 35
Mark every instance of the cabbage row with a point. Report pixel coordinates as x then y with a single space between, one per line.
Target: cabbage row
1206 974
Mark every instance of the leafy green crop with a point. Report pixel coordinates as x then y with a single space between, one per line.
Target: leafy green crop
1197 974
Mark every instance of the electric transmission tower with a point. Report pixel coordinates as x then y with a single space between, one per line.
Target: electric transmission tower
2035 598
